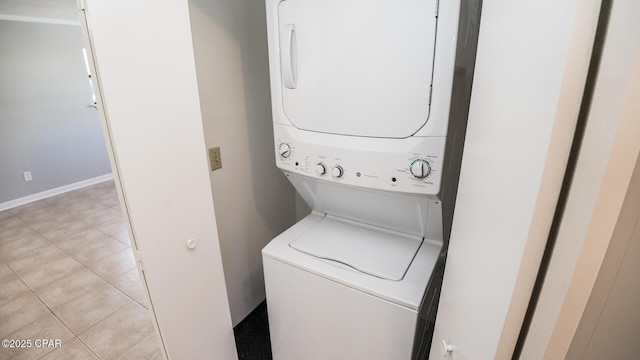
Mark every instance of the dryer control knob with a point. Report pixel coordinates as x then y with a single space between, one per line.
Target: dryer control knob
337 171
321 169
284 150
420 168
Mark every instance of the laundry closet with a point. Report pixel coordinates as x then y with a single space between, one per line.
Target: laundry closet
261 81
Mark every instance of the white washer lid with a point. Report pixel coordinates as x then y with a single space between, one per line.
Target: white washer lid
375 251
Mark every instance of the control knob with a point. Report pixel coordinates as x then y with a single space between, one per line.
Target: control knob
321 169
420 168
337 171
284 150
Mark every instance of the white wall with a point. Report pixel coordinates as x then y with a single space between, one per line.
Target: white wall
147 75
254 201
46 124
531 67
612 82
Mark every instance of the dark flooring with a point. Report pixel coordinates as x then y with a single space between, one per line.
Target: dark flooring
252 335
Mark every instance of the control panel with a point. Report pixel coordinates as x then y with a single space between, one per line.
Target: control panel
384 164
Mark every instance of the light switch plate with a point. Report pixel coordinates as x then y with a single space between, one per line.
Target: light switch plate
215 159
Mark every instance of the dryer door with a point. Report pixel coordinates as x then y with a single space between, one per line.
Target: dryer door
357 67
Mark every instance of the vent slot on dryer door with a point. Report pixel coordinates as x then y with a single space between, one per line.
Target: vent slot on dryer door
357 67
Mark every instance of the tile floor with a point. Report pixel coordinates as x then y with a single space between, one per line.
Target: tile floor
67 272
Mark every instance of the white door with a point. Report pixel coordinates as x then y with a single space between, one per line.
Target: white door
528 83
148 98
344 73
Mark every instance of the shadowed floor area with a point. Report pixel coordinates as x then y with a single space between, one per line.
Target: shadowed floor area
252 335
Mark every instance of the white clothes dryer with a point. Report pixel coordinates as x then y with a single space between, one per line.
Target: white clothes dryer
360 91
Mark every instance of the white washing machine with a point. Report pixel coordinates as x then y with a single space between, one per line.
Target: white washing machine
360 91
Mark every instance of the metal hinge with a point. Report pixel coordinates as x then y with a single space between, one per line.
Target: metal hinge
437 7
138 257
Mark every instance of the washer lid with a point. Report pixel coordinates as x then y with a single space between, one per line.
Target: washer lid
370 250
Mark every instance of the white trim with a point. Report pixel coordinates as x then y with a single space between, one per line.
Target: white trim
53 192
39 20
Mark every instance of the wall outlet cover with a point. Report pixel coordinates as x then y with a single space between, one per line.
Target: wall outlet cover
215 159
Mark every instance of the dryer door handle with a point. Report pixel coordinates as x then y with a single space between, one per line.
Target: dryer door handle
288 60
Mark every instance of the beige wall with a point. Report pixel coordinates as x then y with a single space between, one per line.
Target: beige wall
605 319
254 201
610 324
601 177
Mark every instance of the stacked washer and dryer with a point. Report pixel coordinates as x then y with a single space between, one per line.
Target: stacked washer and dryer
361 93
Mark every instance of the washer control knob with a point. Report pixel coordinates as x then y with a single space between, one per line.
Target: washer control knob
337 171
420 168
321 169
284 150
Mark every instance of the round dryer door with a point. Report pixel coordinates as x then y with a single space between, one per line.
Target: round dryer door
357 67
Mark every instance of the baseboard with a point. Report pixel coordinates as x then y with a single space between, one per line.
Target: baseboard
39 20
53 192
